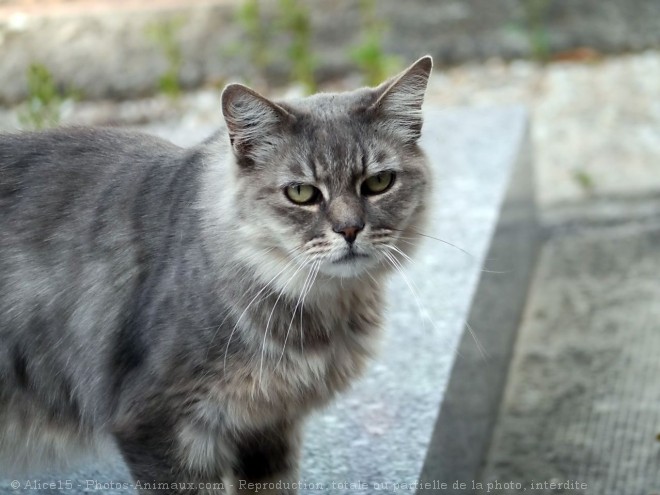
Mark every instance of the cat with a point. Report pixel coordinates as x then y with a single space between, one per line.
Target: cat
193 306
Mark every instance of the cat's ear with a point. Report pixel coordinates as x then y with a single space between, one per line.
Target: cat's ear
253 121
398 107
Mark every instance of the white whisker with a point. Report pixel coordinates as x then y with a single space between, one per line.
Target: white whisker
311 275
397 250
435 239
399 268
484 270
482 350
372 278
270 316
289 263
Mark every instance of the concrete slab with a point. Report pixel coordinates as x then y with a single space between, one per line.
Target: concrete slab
583 400
377 436
471 402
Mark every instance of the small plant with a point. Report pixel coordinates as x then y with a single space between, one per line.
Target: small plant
164 35
536 15
255 42
258 34
369 54
295 20
293 23
43 106
584 180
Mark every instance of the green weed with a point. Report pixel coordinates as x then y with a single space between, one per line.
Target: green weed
44 103
257 34
536 28
584 180
164 34
295 20
369 54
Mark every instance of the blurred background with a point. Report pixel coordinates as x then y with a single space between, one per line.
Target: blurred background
583 397
588 70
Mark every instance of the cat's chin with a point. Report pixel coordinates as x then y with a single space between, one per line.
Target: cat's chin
349 266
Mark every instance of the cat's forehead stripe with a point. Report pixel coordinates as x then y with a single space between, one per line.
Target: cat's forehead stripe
381 156
296 168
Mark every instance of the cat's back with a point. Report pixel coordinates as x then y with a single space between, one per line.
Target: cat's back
62 179
46 145
72 162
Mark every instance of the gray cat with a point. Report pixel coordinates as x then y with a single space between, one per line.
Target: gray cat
192 306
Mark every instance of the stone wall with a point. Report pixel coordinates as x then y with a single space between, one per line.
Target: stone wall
107 53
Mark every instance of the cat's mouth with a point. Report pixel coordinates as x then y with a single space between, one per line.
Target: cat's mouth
350 257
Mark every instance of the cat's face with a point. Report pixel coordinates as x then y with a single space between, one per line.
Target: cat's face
334 180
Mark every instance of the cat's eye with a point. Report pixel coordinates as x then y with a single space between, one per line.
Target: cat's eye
302 194
377 184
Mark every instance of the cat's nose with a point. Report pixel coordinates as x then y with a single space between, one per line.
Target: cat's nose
349 232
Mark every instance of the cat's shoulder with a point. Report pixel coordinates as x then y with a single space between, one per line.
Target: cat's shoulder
85 150
78 138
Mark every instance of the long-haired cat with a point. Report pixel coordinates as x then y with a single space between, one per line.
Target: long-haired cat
192 306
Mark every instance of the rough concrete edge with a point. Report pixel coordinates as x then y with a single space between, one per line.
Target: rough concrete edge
465 423
597 212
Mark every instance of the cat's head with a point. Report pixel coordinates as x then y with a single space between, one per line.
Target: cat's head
336 179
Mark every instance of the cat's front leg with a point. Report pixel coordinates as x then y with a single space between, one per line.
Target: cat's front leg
267 461
166 463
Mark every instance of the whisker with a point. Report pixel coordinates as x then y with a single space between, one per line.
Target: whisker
405 240
318 268
484 270
436 239
227 314
270 316
289 263
399 269
482 349
372 278
397 250
308 280
496 272
397 266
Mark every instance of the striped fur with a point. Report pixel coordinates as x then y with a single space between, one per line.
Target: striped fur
175 303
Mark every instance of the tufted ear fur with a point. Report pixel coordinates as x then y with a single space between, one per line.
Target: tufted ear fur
253 122
398 107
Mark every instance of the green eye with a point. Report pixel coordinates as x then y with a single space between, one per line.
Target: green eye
377 184
302 193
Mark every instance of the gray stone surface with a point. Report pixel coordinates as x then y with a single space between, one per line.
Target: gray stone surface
583 399
380 431
471 402
596 125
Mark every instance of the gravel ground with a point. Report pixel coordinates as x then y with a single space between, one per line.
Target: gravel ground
596 123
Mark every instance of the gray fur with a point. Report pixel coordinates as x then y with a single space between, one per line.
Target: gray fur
175 302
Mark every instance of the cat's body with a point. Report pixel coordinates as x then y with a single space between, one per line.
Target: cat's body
174 302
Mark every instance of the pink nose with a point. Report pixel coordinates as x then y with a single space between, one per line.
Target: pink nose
350 233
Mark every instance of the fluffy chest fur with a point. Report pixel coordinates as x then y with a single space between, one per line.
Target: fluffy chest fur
304 358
